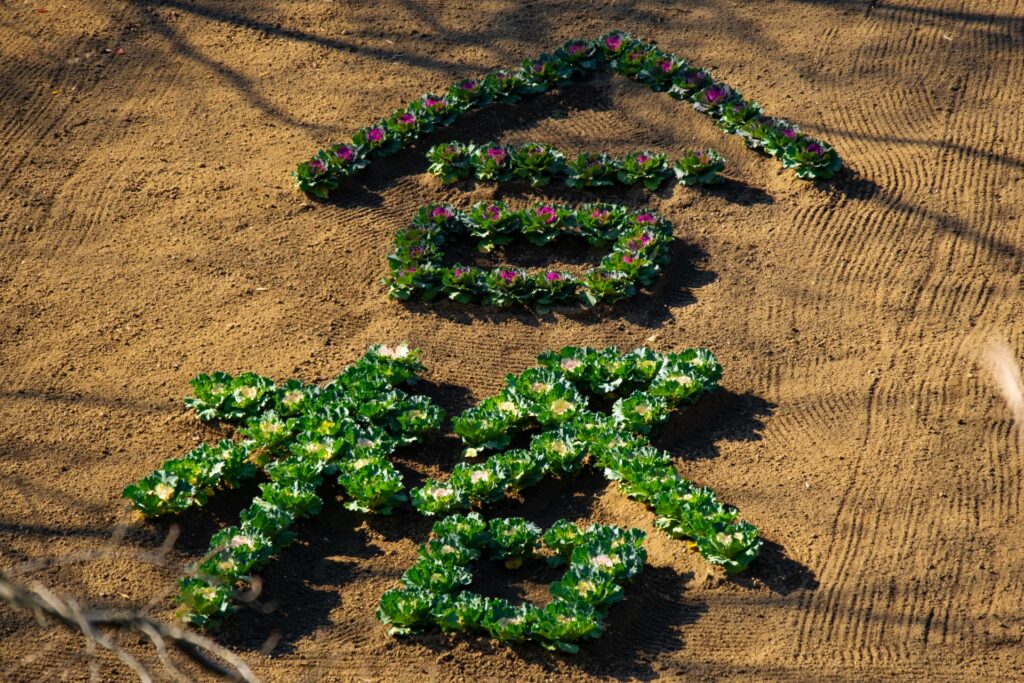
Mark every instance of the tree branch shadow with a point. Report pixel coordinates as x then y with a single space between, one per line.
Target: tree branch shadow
277 30
695 432
736 191
851 184
777 571
876 7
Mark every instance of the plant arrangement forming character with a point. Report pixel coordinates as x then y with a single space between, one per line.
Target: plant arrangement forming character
294 435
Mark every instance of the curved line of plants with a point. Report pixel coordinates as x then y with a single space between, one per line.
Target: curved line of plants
638 241
554 398
598 560
539 164
296 435
575 61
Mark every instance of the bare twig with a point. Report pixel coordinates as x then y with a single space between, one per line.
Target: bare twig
1007 376
203 651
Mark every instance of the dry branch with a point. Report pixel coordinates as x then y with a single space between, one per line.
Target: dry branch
89 623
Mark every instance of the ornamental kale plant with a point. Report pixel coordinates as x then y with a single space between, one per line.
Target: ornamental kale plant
647 168
490 162
599 561
733 115
638 241
812 159
771 136
575 61
539 164
556 400
688 82
714 99
297 435
536 163
450 162
591 169
544 222
700 167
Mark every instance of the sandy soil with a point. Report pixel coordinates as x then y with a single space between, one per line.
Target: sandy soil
149 233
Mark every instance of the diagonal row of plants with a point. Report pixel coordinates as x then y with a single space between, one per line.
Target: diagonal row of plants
557 402
576 61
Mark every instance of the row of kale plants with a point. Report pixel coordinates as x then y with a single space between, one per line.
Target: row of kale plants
296 434
538 164
599 560
638 243
553 401
576 60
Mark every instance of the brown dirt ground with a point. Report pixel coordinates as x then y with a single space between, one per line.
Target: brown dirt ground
149 233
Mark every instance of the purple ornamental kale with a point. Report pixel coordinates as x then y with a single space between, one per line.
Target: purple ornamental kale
714 94
637 245
694 78
548 213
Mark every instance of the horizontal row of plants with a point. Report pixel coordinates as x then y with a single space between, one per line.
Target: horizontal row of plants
599 560
296 435
638 243
538 164
556 401
575 61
